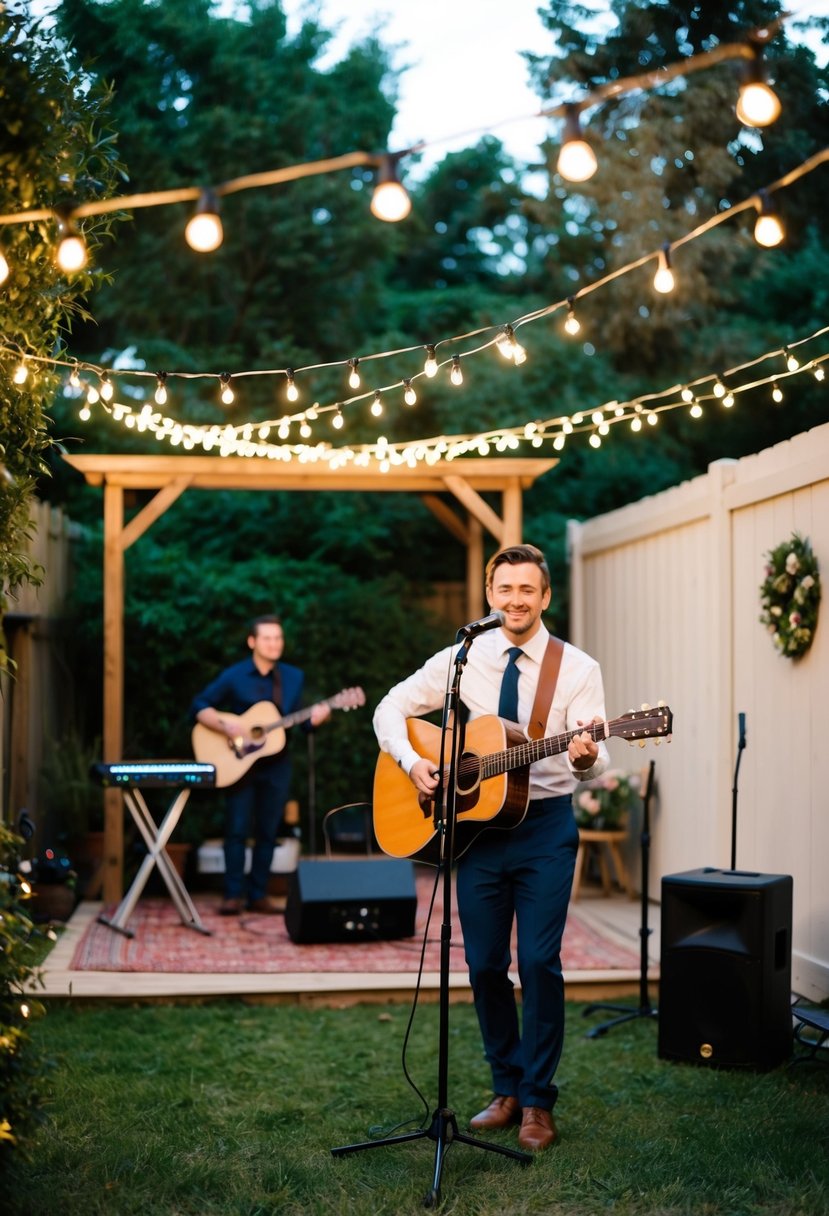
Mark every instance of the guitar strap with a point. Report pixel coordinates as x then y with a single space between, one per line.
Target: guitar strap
544 693
276 694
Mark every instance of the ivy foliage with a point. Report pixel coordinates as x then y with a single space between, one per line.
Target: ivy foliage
55 147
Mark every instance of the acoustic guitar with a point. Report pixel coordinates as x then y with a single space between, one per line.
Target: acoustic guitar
261 732
493 779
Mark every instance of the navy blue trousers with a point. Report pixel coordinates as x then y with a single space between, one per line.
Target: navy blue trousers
525 874
254 806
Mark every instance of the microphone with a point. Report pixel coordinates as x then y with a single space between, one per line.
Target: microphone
741 720
492 621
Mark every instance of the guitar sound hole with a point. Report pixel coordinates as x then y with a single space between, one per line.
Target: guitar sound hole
469 773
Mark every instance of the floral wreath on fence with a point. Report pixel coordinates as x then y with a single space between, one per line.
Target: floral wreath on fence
790 596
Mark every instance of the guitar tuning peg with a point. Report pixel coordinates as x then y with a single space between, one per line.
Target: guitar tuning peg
657 742
645 706
641 742
660 704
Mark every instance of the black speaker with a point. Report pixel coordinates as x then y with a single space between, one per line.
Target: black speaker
346 901
725 968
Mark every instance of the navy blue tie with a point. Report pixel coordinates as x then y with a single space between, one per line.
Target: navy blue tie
508 701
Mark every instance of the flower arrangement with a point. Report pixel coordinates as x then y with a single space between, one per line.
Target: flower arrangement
602 804
790 596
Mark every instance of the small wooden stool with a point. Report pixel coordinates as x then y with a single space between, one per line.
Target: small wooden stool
599 840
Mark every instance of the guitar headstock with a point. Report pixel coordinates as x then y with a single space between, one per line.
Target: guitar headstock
348 698
643 724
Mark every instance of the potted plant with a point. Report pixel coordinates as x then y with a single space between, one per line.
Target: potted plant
72 802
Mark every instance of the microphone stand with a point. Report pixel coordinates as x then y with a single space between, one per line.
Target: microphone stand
741 719
444 1126
645 1009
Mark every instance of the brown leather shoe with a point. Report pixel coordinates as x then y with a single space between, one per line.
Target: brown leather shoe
230 907
502 1111
266 905
537 1129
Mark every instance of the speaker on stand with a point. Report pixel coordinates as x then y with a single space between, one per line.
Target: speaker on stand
726 962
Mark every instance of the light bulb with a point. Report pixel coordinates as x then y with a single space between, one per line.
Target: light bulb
4 268
21 374
819 373
228 395
389 202
456 374
338 421
768 228
595 441
572 324
291 392
71 254
506 342
757 105
430 367
728 400
353 375
663 280
776 394
409 395
106 387
576 160
204 231
687 395
719 389
377 405
696 410
792 362
161 389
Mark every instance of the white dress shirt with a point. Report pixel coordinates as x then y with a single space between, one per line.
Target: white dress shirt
579 697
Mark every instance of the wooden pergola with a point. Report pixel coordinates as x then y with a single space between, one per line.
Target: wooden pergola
442 487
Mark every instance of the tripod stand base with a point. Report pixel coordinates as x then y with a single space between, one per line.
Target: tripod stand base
626 1015
444 1131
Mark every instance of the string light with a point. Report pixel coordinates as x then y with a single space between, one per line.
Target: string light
510 347
663 280
572 325
4 267
757 105
377 405
776 393
353 373
456 374
719 389
409 395
687 395
74 377
696 410
21 373
71 252
430 367
161 389
728 400
228 395
768 227
106 390
389 202
338 422
792 361
819 373
576 159
204 232
291 391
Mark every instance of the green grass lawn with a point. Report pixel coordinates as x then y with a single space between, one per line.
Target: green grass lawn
230 1109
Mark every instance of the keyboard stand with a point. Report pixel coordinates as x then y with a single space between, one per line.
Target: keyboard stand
155 838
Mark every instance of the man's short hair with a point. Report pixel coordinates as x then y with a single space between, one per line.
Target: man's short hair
517 555
269 619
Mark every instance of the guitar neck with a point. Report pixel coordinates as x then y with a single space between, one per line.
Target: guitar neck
538 749
299 715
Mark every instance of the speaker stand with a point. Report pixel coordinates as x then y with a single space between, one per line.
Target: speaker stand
645 1009
443 1129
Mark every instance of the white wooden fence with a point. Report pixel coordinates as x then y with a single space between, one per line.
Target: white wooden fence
665 593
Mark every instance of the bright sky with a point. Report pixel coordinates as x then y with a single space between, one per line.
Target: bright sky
466 73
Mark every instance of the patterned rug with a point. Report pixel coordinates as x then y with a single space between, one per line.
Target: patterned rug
260 944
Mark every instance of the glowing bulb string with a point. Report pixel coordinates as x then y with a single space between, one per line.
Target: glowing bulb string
494 334
248 439
644 81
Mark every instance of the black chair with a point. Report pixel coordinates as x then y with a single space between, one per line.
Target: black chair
349 829
813 1018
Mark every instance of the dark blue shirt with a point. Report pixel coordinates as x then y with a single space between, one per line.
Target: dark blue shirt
238 687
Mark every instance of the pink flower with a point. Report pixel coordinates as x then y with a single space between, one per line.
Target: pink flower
794 619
